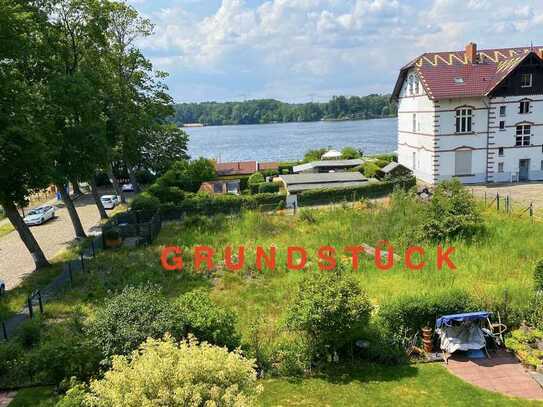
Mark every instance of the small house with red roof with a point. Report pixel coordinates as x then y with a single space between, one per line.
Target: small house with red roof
474 114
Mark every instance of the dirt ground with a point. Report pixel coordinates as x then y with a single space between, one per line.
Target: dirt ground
521 194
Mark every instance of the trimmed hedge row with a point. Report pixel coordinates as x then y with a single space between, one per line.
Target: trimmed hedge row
370 190
204 204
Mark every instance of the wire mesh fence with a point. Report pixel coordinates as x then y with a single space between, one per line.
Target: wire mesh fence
148 230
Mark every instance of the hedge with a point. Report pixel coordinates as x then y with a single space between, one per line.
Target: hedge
206 204
370 190
409 313
268 187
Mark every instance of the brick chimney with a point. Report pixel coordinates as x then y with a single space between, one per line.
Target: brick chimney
471 53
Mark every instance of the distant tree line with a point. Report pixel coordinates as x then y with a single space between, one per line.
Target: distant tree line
273 111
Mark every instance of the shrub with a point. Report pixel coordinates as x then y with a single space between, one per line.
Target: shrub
166 194
330 310
181 374
290 356
306 215
538 276
145 202
348 153
369 169
29 332
268 187
409 313
112 234
369 190
452 213
254 182
314 155
130 317
208 321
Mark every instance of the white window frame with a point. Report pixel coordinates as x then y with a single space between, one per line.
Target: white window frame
464 120
410 84
417 85
526 104
500 167
500 151
502 125
523 135
414 122
503 111
523 83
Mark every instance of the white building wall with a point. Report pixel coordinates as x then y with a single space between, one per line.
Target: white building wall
416 143
506 138
448 142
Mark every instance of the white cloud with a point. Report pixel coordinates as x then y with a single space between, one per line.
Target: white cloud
326 44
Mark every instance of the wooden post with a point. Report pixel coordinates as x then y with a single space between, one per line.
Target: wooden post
4 331
532 211
82 262
70 273
498 201
30 310
485 199
40 302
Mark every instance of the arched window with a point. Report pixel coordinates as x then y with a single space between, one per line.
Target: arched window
410 84
417 89
463 119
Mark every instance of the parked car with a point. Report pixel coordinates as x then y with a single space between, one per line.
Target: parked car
40 215
127 188
2 287
110 201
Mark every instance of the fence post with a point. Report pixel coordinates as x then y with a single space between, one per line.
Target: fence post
532 211
40 302
485 199
30 310
82 262
498 201
4 331
93 250
70 273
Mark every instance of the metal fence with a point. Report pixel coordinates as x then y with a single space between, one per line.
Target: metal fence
504 203
147 230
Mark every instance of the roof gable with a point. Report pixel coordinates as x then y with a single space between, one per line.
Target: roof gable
450 75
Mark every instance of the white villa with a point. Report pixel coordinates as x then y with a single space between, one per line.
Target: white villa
475 115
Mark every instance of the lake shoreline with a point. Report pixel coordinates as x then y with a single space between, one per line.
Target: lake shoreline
265 124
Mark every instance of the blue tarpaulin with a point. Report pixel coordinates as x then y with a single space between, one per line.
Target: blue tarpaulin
468 316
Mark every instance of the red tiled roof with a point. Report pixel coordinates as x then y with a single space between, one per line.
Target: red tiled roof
236 168
438 71
268 166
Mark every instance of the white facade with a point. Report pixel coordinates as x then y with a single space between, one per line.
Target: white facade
430 144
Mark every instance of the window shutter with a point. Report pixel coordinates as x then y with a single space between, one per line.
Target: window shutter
462 160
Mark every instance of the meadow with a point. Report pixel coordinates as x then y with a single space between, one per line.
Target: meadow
495 268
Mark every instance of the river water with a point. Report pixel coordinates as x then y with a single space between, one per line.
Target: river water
289 141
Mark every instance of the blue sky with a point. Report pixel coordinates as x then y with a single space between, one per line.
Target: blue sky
302 50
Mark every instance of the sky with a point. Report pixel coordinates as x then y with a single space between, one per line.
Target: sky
309 50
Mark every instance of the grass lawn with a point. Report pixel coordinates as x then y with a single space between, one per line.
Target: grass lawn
6 228
494 269
374 385
35 397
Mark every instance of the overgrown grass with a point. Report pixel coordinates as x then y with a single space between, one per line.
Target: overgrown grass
35 397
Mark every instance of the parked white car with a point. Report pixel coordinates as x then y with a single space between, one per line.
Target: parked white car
39 215
2 287
127 188
110 201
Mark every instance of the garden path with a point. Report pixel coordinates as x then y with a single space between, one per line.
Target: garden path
503 373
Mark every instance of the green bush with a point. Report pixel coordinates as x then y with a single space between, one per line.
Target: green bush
370 169
331 311
349 153
290 357
409 313
207 320
145 202
452 213
369 190
130 317
254 182
389 157
538 276
207 204
268 188
166 194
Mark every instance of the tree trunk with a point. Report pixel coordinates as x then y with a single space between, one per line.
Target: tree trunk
115 183
76 222
75 185
133 181
94 189
26 235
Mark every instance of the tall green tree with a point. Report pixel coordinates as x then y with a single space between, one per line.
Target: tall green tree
24 148
75 106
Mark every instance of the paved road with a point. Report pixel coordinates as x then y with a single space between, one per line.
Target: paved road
53 236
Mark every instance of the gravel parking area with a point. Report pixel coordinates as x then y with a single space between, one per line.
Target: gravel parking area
53 236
